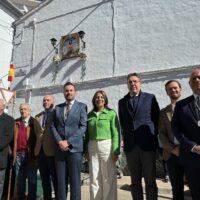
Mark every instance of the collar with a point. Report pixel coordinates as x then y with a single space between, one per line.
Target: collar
49 110
26 120
105 110
70 102
195 96
136 95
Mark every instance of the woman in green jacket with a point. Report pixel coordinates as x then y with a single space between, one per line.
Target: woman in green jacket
103 148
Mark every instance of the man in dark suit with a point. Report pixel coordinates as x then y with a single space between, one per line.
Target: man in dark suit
186 127
6 135
44 148
170 143
138 114
69 126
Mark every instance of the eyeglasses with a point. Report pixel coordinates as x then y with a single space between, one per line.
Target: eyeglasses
195 78
133 81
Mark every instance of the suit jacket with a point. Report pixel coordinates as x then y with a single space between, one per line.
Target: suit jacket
71 129
184 124
139 127
6 136
32 128
45 136
166 135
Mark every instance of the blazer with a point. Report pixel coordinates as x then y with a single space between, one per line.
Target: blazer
166 135
139 127
184 124
44 136
102 127
32 128
6 136
71 129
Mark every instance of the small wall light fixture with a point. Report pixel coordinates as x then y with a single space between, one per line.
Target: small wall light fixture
53 42
81 35
82 53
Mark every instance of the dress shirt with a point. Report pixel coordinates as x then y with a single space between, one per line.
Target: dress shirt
26 121
68 107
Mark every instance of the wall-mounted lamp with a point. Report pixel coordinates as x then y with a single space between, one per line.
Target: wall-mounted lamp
82 52
53 43
56 58
81 35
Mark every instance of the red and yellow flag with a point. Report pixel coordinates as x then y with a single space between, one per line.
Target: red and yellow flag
11 73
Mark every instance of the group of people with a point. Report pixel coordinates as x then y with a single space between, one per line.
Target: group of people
56 139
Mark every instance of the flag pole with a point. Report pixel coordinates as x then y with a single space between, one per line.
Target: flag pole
10 79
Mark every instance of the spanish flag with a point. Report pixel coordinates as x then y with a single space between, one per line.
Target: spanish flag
11 73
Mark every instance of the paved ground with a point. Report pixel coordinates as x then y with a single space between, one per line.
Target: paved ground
164 189
124 193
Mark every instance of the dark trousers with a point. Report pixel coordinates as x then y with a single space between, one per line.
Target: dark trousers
6 182
176 175
47 170
142 163
2 177
25 172
68 168
192 171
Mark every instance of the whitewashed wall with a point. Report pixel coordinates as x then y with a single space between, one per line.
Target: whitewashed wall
6 36
159 39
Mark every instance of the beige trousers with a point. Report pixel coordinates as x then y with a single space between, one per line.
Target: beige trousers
102 171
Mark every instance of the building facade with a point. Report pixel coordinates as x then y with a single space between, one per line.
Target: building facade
158 39
8 14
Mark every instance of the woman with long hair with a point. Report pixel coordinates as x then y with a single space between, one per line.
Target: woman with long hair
102 148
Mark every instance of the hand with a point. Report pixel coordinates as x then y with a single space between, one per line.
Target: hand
196 149
175 151
114 157
87 157
63 145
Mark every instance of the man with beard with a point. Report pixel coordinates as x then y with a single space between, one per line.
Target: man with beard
69 126
170 143
186 127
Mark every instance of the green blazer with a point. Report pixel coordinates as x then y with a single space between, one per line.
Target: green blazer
102 127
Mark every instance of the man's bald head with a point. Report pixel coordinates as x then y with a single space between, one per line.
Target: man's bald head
195 81
48 102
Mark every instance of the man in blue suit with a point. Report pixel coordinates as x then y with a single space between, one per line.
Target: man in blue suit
186 127
139 114
69 126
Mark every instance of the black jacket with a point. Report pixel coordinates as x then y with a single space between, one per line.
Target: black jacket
6 136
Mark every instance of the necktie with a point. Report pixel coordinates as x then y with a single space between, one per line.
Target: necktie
67 109
23 124
45 118
133 101
198 100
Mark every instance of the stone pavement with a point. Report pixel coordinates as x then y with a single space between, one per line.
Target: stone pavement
164 189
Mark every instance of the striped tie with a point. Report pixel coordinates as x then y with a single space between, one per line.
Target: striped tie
67 109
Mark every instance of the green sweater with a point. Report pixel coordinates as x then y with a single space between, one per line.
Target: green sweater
102 127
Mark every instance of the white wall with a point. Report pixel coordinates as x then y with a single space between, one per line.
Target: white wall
6 36
121 37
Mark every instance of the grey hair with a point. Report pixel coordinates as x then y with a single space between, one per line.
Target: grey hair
25 104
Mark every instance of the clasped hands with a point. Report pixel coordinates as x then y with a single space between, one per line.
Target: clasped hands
196 149
63 145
